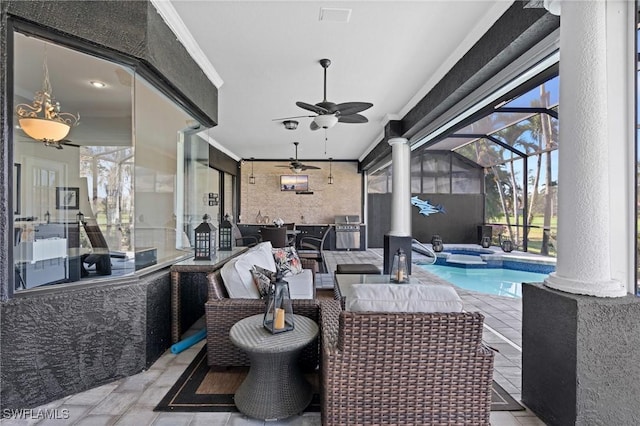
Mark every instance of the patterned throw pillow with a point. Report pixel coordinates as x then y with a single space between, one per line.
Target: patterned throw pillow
262 280
287 261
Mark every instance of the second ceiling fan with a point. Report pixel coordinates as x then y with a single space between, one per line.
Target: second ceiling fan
329 113
297 166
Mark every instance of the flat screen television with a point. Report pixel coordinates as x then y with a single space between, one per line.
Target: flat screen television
294 182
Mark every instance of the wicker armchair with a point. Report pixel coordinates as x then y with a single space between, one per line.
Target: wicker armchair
222 312
403 368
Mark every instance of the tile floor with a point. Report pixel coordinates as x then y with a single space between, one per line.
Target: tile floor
130 401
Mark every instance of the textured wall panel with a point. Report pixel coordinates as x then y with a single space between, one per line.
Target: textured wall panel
158 316
58 344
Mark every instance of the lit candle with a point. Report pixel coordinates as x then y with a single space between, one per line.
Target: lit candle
400 275
279 321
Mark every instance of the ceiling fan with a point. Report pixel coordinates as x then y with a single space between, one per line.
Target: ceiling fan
297 166
329 113
52 144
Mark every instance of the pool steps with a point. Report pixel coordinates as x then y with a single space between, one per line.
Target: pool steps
465 259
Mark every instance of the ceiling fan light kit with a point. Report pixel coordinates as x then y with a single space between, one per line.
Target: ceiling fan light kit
42 120
325 121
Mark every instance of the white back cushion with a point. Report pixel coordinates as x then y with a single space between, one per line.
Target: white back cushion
403 298
236 274
301 285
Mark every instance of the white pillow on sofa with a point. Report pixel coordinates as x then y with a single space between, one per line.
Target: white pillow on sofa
423 298
236 274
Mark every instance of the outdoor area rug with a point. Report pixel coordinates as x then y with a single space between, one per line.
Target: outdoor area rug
205 390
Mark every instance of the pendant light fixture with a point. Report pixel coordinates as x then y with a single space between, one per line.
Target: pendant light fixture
42 120
252 178
330 171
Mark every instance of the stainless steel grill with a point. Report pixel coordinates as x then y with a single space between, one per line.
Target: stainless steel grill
347 232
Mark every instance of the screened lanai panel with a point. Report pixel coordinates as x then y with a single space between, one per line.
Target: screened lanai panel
483 152
465 178
435 172
416 173
379 182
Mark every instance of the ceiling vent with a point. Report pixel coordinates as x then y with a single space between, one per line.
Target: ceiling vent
330 14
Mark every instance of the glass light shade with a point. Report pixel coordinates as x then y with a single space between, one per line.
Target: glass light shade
326 121
278 316
44 130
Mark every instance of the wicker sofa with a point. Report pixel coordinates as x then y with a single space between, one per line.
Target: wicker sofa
222 312
403 368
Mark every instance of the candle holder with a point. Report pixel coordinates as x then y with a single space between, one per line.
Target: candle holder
436 244
486 242
278 316
205 240
399 268
507 246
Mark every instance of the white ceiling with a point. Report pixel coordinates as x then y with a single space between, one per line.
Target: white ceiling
266 53
390 53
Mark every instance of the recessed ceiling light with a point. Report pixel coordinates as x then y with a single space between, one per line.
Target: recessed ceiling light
98 84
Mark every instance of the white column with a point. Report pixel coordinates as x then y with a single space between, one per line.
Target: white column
583 264
401 188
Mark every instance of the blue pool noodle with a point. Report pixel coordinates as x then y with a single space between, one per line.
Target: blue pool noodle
188 342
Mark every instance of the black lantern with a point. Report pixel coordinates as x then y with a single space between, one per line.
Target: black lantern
399 268
436 244
507 246
80 217
47 217
486 242
279 314
225 234
205 240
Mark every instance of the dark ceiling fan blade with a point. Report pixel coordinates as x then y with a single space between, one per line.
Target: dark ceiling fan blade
348 108
353 118
312 108
314 126
289 118
68 143
305 167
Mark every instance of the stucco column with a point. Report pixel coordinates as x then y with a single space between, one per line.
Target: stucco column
583 241
401 187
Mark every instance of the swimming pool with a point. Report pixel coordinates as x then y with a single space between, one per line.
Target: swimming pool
496 281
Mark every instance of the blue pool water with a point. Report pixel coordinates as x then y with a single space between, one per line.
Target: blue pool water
497 281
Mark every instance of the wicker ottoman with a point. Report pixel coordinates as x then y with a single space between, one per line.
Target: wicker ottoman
357 268
274 387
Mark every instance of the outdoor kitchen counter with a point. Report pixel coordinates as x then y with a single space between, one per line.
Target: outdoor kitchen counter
309 229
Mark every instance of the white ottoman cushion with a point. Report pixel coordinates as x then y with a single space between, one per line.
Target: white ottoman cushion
403 298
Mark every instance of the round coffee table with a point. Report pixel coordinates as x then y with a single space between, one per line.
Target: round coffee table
274 387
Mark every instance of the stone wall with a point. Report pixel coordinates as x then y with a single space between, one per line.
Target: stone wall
344 197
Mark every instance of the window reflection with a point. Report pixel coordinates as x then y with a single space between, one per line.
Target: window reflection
103 203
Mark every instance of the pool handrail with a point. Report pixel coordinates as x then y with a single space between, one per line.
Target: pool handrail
429 253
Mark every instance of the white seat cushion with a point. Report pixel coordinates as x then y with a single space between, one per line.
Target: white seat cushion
403 298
